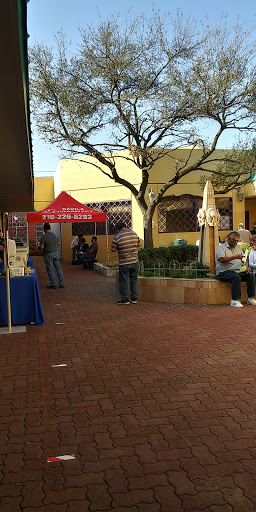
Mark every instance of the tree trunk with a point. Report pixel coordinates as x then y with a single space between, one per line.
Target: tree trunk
148 234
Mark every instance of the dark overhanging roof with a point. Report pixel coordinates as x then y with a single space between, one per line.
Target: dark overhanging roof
16 171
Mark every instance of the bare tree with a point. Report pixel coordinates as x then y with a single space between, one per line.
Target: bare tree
148 86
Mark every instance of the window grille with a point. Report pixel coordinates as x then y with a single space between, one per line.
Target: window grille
179 214
39 232
225 207
17 228
117 211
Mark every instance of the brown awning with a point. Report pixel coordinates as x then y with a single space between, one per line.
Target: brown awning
16 173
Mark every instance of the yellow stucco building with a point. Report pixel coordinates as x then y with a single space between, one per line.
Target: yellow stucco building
174 218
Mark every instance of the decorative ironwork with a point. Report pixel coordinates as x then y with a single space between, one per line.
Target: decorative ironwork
39 231
179 214
159 270
191 270
18 228
225 207
117 211
174 265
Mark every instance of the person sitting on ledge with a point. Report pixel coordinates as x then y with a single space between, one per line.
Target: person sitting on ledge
90 254
83 248
229 263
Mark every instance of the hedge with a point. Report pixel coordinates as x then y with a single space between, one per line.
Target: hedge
180 253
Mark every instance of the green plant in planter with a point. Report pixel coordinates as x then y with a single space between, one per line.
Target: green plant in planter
177 274
180 253
199 266
112 264
190 275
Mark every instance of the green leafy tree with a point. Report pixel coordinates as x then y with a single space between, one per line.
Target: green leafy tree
148 87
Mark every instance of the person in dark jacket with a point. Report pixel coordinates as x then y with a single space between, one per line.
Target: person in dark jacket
90 254
83 249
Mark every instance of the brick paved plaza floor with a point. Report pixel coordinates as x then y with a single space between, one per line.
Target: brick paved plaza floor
157 403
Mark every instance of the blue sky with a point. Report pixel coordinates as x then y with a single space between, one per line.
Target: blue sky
46 17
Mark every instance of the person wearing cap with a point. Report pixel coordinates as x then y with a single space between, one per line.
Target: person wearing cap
229 262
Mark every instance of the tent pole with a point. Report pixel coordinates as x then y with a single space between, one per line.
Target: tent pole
7 270
107 240
95 228
27 234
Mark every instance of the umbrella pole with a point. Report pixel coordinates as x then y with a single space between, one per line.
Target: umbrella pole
107 240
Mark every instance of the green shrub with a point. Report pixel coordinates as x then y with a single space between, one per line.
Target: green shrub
200 266
190 275
177 274
181 253
147 273
112 264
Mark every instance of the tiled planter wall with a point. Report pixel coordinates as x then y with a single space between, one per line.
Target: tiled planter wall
186 291
102 269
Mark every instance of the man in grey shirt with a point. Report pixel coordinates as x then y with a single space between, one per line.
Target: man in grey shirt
49 243
229 262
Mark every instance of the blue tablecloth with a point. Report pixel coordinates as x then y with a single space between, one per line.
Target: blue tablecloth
25 301
30 262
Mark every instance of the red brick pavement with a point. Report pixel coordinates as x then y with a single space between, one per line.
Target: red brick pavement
157 402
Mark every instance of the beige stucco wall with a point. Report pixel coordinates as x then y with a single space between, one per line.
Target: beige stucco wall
66 236
86 183
44 192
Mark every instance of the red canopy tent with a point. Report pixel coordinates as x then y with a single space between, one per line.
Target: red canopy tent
67 209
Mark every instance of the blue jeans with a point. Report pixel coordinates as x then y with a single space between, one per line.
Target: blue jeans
84 257
232 277
52 260
128 276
